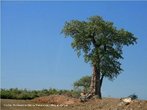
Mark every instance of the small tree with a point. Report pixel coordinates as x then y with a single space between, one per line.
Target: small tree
133 96
101 43
83 82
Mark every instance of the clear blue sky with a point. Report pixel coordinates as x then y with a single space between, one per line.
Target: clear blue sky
35 55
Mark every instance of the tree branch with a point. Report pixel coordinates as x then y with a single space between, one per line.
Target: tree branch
101 80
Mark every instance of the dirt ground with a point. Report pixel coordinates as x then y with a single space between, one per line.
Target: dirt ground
59 102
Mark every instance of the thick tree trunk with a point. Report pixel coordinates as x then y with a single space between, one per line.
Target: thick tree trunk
96 83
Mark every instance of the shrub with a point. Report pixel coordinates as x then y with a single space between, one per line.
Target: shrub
15 93
133 96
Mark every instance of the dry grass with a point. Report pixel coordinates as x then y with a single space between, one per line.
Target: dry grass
95 104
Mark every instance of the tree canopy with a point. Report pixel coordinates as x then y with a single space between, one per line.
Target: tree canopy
83 82
101 43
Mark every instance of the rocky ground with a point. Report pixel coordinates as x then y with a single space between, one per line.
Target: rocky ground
60 102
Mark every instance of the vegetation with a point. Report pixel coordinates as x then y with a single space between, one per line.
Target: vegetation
83 83
101 45
133 96
28 94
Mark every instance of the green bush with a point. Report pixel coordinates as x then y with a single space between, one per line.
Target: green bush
15 93
6 94
133 96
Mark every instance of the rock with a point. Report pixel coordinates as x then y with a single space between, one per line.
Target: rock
127 100
83 98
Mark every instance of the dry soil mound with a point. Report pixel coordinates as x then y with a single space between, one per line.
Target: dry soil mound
56 99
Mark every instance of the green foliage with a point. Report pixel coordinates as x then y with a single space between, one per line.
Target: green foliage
17 94
83 83
133 96
28 94
101 43
75 94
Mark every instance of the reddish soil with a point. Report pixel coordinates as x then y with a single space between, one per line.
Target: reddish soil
57 99
94 104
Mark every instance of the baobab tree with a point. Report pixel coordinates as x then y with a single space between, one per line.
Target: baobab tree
101 43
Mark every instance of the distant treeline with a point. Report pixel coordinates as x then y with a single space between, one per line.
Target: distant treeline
15 93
